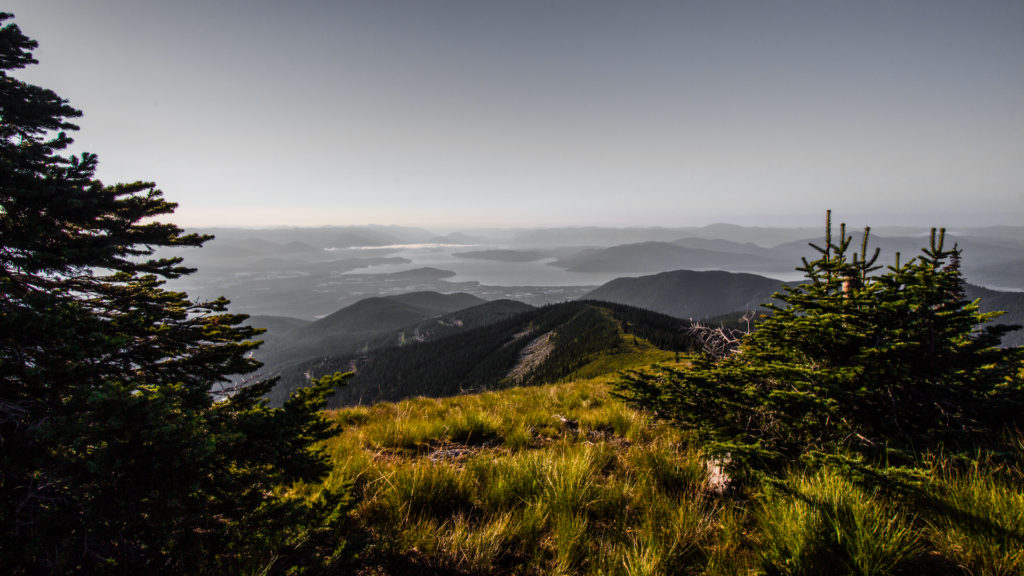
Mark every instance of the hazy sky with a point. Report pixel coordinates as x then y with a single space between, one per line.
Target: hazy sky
518 113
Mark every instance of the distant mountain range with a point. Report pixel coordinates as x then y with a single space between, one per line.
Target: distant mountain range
599 236
690 294
701 295
311 272
992 261
660 256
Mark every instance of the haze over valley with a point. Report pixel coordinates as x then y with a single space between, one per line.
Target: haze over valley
308 273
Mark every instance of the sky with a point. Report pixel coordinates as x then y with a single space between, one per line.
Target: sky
527 113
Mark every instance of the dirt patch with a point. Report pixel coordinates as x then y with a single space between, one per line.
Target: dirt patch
532 356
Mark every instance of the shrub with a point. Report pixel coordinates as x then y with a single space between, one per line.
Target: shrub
852 361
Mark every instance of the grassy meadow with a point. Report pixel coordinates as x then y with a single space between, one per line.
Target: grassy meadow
566 479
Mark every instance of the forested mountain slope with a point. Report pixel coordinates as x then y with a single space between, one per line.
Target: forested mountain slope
375 323
537 346
1012 303
386 313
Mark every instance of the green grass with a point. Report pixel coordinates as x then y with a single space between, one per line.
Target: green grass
555 479
565 479
978 518
822 523
631 353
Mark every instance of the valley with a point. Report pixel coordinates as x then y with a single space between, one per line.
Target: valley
309 273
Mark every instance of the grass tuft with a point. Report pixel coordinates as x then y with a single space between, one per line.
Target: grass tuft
424 488
978 519
822 520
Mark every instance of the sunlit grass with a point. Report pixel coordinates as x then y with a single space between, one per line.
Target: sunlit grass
822 522
635 352
978 519
565 479
424 488
550 477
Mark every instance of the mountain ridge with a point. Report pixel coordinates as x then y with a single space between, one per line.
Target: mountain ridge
690 293
565 338
705 294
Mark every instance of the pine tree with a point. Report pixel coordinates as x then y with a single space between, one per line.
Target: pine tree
114 454
853 361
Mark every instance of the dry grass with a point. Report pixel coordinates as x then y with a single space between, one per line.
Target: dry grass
564 479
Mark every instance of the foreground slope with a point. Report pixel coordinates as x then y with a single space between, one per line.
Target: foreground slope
565 479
